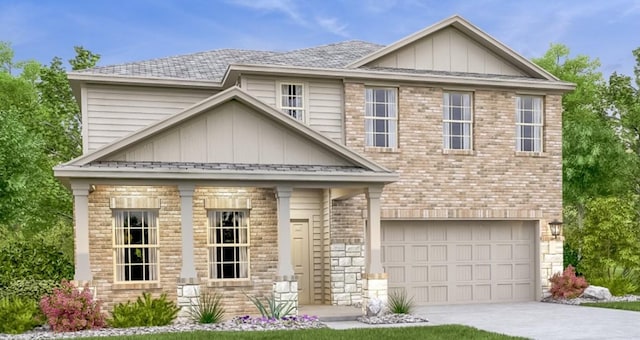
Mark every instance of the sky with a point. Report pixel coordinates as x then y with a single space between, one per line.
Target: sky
133 30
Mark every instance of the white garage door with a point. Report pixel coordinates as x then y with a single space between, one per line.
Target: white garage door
449 262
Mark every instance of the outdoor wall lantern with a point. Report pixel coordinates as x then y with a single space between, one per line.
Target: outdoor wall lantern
556 228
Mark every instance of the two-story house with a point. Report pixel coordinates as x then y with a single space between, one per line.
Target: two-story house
325 175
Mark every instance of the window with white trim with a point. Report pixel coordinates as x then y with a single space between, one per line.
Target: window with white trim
292 100
381 117
136 245
457 120
228 244
529 123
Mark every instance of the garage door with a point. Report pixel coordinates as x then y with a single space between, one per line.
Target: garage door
449 262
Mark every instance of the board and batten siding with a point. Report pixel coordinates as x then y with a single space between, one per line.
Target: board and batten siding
447 50
113 112
324 104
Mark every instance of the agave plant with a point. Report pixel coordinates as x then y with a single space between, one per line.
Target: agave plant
399 302
271 308
208 310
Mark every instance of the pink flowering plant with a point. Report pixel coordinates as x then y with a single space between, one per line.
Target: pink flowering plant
567 285
69 309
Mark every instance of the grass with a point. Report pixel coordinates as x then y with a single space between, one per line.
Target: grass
628 305
425 332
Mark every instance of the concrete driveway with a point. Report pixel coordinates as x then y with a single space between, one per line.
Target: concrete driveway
537 320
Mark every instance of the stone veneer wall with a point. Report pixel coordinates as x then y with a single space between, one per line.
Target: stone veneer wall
263 251
347 251
490 182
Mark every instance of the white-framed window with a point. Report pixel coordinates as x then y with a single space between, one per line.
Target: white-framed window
529 123
135 236
228 244
292 100
381 117
457 120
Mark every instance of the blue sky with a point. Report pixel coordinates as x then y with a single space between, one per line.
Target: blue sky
131 30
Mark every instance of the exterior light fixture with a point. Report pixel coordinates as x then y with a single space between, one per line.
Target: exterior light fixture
556 228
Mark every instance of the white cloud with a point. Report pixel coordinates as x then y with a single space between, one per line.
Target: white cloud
332 25
286 7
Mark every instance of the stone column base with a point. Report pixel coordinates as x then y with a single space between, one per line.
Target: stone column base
285 291
188 296
374 294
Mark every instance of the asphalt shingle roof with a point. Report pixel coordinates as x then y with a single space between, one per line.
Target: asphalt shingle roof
212 65
226 166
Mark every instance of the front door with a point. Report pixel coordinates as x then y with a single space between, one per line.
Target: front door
301 260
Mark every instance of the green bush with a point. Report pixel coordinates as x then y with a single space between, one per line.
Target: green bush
29 289
619 282
47 255
272 309
399 303
209 309
18 315
146 311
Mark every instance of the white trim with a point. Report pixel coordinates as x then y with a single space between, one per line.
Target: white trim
539 136
305 98
446 104
84 111
371 117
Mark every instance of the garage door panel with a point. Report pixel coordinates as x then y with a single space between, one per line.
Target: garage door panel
464 273
419 274
461 261
438 253
463 252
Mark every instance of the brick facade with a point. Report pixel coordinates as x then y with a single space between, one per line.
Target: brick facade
263 249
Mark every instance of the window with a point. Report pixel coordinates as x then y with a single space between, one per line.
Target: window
136 245
228 244
457 121
529 124
381 117
292 100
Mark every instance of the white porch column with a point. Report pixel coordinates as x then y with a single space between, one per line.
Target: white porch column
188 270
285 265
81 229
373 262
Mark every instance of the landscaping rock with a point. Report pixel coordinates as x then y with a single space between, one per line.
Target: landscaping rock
597 293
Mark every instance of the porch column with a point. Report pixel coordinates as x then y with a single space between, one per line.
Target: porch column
81 229
188 270
188 291
373 252
374 283
285 265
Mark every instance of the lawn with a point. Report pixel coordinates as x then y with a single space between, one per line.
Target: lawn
425 332
628 305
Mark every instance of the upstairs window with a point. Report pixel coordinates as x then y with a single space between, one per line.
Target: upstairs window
136 245
228 244
381 117
292 100
529 123
457 121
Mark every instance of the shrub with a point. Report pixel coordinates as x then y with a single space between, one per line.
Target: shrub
29 289
273 309
68 309
567 285
399 303
146 311
208 310
18 315
619 282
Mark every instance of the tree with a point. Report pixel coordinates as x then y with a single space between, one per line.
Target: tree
595 163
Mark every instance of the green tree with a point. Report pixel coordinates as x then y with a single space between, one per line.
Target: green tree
610 243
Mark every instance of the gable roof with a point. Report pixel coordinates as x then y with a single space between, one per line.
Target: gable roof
472 31
99 160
